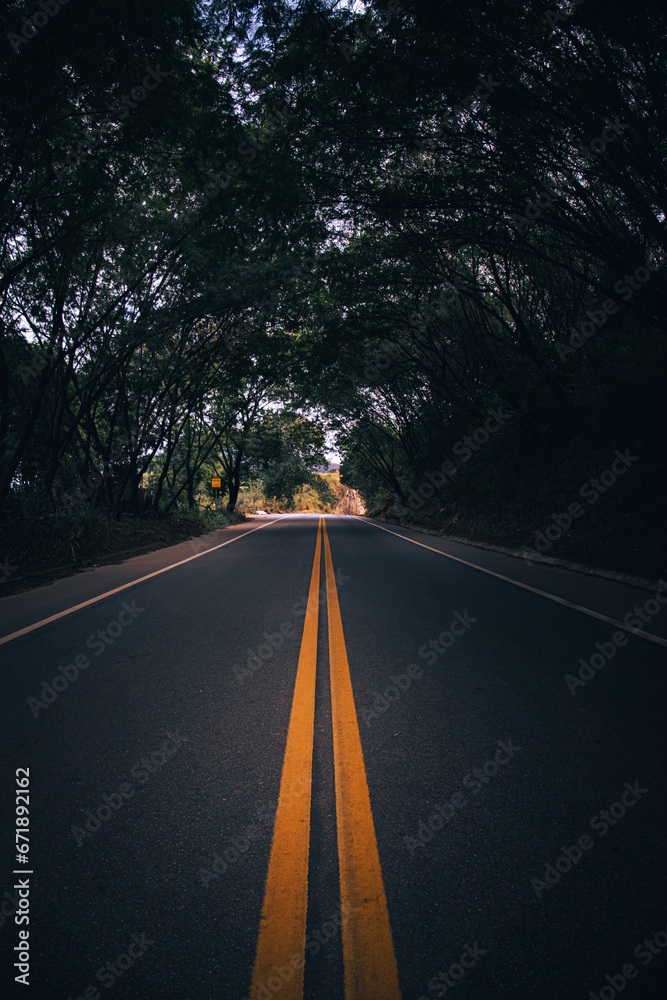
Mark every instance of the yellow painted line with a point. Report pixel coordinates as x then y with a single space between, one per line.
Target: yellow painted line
533 590
281 944
368 951
126 586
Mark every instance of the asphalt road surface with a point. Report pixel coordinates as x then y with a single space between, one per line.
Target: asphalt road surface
330 759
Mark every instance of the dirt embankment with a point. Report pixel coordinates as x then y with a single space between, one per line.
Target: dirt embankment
597 497
36 550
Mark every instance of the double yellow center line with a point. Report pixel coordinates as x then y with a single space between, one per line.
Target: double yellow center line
368 951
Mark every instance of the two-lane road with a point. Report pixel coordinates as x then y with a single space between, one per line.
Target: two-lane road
332 759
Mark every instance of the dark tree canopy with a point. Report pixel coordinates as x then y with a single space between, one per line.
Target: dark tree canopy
225 224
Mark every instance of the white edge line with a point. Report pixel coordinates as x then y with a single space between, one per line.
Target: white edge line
126 586
526 586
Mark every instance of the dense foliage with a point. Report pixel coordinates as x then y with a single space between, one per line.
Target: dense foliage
227 225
